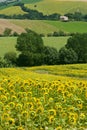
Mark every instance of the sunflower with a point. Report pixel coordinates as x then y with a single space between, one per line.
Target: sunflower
51 100
12 104
51 119
6 108
12 92
59 128
29 105
13 98
20 128
32 114
11 121
24 114
5 116
19 107
29 94
82 116
39 110
72 121
3 98
52 112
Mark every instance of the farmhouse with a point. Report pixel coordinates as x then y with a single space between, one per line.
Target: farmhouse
64 18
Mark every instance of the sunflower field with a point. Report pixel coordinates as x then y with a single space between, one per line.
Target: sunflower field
35 104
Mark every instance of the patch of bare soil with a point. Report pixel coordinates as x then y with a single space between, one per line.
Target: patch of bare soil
4 23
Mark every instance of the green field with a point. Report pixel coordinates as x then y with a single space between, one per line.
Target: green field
56 42
47 26
80 27
8 43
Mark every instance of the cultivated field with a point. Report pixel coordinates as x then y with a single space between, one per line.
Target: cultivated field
41 98
7 44
42 26
7 24
49 6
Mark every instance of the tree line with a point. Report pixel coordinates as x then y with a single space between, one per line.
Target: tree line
33 52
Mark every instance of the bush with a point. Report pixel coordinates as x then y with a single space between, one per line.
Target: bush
78 43
50 56
7 32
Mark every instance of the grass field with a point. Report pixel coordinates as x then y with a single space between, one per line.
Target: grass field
80 27
8 43
56 42
59 6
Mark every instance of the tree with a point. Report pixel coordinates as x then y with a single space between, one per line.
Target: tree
25 59
67 56
78 43
50 55
30 42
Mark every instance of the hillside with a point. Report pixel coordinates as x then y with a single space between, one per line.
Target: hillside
59 6
52 6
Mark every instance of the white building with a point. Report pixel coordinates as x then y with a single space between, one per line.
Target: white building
64 18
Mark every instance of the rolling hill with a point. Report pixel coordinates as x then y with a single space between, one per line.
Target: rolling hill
59 6
52 6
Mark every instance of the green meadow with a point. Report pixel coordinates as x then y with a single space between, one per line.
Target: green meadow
7 44
75 26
